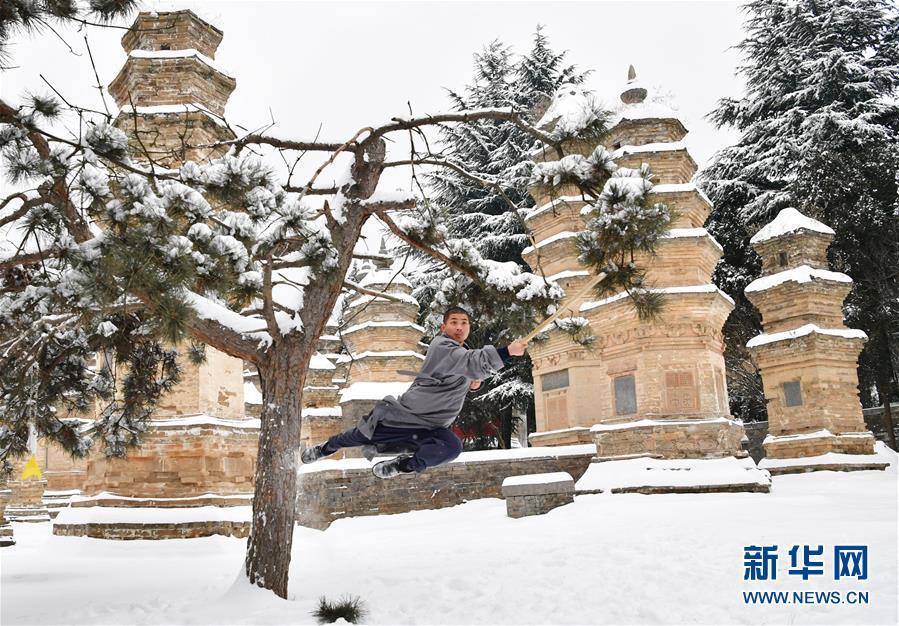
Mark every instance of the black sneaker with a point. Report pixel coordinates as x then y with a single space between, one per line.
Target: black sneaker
313 454
391 467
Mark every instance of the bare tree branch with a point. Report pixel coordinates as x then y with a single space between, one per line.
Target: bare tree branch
320 191
377 206
28 259
507 115
287 144
370 292
97 76
27 204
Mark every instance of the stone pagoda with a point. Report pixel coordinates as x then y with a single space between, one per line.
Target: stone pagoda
200 449
170 93
806 355
382 339
643 388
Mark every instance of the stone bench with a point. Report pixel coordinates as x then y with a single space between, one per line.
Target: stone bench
535 494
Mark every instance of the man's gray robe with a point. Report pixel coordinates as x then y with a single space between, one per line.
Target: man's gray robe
438 391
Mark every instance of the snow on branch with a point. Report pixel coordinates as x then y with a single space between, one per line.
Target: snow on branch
461 256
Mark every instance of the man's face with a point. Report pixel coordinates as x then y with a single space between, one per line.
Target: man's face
456 327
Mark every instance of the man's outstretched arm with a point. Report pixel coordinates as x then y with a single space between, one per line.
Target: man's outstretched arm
506 354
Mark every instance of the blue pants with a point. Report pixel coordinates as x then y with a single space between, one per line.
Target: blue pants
432 447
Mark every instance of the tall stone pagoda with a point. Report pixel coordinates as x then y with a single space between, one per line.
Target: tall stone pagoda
170 93
200 449
382 339
807 357
643 388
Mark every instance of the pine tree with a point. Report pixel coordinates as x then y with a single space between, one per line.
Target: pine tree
491 216
819 124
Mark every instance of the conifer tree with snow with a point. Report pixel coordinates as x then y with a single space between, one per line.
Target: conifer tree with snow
108 260
820 132
489 211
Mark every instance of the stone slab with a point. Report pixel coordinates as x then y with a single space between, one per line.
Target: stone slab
538 484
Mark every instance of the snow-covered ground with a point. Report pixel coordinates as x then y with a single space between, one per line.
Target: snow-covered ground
649 559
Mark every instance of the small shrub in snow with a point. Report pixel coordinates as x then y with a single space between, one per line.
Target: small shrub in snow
352 609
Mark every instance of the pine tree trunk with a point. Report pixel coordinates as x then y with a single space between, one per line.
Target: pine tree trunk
274 503
883 390
506 428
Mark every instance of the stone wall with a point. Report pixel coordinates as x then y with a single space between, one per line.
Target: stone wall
333 490
182 459
181 530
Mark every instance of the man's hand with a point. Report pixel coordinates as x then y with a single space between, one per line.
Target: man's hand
475 384
518 347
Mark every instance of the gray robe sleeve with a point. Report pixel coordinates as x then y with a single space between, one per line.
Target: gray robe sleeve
453 359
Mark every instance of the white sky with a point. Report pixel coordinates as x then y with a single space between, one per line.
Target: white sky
346 65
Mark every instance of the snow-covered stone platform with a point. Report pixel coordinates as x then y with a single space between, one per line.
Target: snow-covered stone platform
832 461
648 475
108 516
331 490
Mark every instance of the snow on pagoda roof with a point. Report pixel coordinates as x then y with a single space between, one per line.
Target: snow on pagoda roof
643 111
801 274
567 274
320 362
365 299
789 220
161 109
202 419
346 358
565 234
696 233
662 146
201 10
680 187
376 324
383 277
802 331
251 395
180 54
710 288
553 204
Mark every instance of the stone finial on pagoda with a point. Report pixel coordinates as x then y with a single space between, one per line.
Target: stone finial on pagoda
170 91
807 357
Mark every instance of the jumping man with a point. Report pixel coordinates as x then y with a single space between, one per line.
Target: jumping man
420 418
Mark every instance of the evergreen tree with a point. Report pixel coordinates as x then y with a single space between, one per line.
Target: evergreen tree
819 124
491 216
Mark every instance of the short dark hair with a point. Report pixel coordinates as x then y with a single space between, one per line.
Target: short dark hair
456 309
